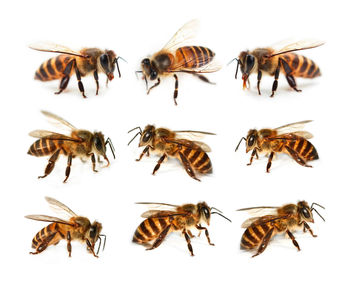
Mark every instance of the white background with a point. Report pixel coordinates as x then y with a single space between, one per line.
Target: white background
135 30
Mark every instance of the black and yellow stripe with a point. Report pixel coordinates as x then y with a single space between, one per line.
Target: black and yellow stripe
301 66
52 68
43 147
304 148
150 229
45 235
194 56
254 234
198 159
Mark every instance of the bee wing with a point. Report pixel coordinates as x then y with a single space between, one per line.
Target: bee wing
292 127
56 48
52 135
299 45
59 207
55 119
46 218
192 134
260 210
184 34
304 134
189 144
159 213
249 221
211 67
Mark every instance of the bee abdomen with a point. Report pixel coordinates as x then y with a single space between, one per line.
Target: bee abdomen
42 147
253 235
194 56
52 69
150 229
304 148
301 66
198 159
45 235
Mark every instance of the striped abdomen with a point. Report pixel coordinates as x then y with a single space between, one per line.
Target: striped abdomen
47 236
150 229
44 147
193 56
304 148
300 66
198 159
254 234
53 68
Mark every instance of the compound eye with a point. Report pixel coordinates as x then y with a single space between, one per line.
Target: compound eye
206 213
92 232
305 213
250 62
153 75
146 137
98 143
251 141
104 61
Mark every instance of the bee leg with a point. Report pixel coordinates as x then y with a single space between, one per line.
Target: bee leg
176 88
269 162
190 234
96 80
297 158
69 245
203 78
160 161
254 153
65 79
145 151
188 167
275 83
43 246
295 243
259 79
69 163
307 227
91 248
155 85
99 159
80 84
264 243
51 164
93 161
188 240
199 227
289 77
160 238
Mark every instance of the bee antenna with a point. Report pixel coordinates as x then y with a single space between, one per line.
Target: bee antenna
238 63
137 72
221 216
313 209
138 133
243 138
104 242
116 62
215 209
109 142
314 203
99 245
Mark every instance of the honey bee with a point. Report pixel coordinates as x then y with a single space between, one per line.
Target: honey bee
82 63
288 139
285 219
159 223
80 143
271 61
192 154
174 58
76 228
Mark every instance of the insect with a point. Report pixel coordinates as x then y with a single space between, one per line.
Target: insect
271 61
80 143
192 154
76 228
159 223
82 63
285 219
174 58
288 139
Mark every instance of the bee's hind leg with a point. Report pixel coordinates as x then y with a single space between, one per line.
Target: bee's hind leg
65 80
160 238
51 164
289 77
160 161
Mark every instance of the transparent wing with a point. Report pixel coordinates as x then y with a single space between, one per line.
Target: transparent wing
304 134
59 207
55 119
205 147
299 45
52 136
184 34
56 48
42 133
193 134
249 221
46 218
190 144
211 67
292 127
260 210
158 213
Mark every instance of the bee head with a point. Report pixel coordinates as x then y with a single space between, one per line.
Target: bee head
98 144
107 61
149 69
94 234
204 212
147 135
251 140
247 64
305 212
